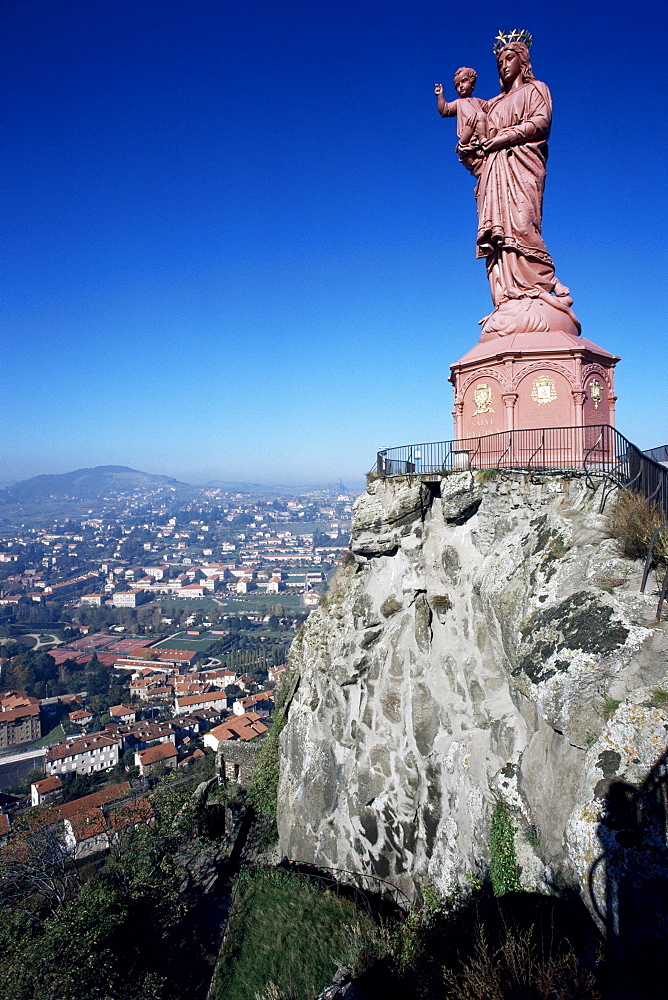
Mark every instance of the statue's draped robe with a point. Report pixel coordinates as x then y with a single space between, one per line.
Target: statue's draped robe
509 194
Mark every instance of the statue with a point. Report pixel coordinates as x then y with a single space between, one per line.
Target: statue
471 117
506 149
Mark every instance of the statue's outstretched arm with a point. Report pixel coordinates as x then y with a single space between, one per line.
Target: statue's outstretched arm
445 109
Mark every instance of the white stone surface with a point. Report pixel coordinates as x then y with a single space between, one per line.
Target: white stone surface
469 653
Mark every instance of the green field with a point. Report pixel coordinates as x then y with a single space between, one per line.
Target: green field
203 604
199 644
249 603
303 527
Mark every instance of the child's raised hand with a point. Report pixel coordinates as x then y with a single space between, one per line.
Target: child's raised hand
438 89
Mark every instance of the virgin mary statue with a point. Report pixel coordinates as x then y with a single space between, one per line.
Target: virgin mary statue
526 294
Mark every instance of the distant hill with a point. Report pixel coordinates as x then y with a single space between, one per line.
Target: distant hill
69 494
271 490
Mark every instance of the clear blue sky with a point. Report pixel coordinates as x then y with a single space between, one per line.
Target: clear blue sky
238 243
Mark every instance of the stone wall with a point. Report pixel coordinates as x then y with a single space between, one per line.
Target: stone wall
487 642
238 760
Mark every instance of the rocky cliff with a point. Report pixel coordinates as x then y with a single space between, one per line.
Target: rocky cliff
486 642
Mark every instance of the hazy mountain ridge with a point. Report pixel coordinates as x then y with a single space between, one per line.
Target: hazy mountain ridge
43 498
88 483
72 494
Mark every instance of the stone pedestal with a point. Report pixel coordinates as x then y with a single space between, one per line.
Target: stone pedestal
548 379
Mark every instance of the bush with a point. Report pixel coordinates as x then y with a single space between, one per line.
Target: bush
634 520
486 475
521 966
263 786
610 707
503 871
660 698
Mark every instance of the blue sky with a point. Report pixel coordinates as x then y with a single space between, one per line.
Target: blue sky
238 243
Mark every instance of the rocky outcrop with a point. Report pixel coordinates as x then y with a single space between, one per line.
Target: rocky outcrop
485 641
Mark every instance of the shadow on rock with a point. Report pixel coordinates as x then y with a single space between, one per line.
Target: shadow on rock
628 884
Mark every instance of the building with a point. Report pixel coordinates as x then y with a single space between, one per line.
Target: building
261 703
186 704
196 755
129 598
94 828
138 735
81 717
123 713
93 600
218 678
83 755
45 790
19 718
147 760
245 728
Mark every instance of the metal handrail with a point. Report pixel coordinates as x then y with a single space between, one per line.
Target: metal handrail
648 558
597 450
333 875
510 444
659 454
662 596
539 448
607 489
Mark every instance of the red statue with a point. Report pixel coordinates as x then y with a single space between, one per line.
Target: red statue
531 368
503 142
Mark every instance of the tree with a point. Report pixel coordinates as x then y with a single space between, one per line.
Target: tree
37 874
81 784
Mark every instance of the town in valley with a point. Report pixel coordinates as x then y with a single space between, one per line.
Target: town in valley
140 634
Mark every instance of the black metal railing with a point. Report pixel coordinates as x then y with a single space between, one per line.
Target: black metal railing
659 454
598 449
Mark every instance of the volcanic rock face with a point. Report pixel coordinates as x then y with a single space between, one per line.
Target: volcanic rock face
475 649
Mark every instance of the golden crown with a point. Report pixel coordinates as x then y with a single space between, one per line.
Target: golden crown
516 35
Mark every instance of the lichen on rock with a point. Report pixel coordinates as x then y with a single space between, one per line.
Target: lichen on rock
414 715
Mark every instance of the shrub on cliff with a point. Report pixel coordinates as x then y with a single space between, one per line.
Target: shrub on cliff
263 786
634 520
503 871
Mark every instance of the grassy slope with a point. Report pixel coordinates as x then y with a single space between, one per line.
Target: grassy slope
283 931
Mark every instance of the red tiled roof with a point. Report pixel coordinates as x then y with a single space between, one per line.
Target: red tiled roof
80 715
19 713
93 822
200 699
15 703
68 809
47 785
163 751
79 745
243 727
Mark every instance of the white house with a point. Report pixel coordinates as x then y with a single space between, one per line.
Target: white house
83 755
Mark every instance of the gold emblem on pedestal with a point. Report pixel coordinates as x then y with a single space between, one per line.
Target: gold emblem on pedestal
544 390
482 396
595 392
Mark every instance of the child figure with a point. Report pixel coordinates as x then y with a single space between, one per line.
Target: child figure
471 117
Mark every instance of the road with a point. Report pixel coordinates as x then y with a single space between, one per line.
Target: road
51 641
15 767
